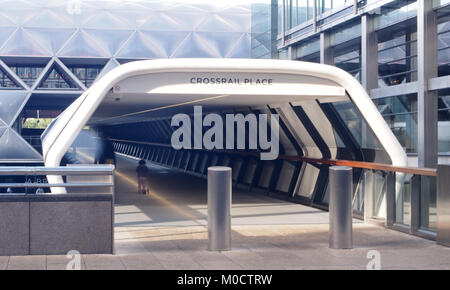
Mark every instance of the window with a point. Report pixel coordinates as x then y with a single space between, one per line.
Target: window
443 44
346 43
397 56
86 74
356 124
28 73
400 112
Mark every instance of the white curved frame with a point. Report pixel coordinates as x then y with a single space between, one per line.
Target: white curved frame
61 135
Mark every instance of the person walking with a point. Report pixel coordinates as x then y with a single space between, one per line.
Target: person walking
142 171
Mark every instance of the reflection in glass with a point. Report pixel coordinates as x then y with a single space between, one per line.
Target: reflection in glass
28 73
400 113
428 217
397 56
403 202
354 121
444 122
443 46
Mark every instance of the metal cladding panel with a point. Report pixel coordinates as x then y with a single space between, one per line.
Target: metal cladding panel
14 147
22 44
10 104
51 39
103 28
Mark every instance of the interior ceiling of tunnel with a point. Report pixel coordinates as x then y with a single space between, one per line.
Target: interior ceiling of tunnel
160 95
164 106
55 37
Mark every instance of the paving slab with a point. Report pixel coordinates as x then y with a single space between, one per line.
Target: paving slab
27 263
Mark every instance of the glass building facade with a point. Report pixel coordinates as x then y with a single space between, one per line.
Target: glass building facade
398 50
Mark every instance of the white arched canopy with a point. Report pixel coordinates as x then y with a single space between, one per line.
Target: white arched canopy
155 88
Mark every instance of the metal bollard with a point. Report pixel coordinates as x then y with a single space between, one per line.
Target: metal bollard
341 184
219 208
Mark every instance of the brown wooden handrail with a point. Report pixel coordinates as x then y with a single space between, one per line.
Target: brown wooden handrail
337 162
365 165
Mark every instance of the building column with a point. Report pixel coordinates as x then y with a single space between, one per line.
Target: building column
427 68
369 80
273 30
326 51
369 53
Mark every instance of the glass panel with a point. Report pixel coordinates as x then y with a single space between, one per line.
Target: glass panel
57 79
5 32
14 147
400 113
347 33
6 81
10 103
195 46
215 23
396 12
110 40
242 48
379 204
83 45
444 122
298 12
2 129
284 181
307 48
28 73
48 18
350 61
162 22
437 3
444 47
428 217
308 181
86 74
354 121
397 57
326 5
358 200
107 20
143 45
22 44
403 203
220 43
108 67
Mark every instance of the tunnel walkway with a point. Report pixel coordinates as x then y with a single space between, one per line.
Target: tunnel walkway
178 199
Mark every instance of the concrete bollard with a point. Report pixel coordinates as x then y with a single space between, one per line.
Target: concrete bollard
219 208
341 185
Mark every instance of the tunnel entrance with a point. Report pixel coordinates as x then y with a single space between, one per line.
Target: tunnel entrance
323 113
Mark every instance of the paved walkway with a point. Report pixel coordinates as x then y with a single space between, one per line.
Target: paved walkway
167 230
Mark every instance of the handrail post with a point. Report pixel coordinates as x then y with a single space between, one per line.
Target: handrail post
390 199
369 189
415 185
